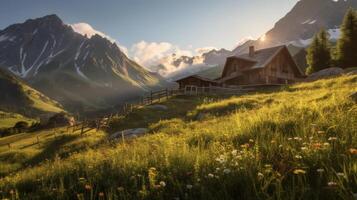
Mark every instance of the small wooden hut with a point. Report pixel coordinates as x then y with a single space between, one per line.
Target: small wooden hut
195 80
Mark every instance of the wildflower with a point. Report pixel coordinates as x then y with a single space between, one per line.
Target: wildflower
156 186
210 175
81 179
303 148
332 138
189 187
120 189
260 175
88 187
290 138
298 138
280 146
162 184
246 145
234 152
320 170
273 141
332 184
12 191
251 140
316 145
298 157
299 171
326 144
353 151
320 132
340 174
101 194
226 171
267 166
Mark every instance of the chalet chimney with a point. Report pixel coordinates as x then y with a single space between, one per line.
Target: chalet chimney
251 51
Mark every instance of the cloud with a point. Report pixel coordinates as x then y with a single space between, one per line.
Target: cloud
87 30
203 50
157 57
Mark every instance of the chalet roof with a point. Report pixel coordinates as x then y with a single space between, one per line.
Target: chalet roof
261 57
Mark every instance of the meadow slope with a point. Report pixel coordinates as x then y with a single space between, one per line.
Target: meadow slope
299 142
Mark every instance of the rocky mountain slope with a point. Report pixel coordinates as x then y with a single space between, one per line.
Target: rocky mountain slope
78 71
305 19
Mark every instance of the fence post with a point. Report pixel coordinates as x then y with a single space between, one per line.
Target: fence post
82 128
110 118
38 141
98 124
150 97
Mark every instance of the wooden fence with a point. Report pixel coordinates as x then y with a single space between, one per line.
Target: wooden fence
154 97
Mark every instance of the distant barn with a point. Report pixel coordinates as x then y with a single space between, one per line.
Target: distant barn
196 80
266 66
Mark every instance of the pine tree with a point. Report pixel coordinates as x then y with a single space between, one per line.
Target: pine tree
319 53
347 44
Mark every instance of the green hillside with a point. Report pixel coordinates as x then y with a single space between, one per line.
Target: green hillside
21 100
295 143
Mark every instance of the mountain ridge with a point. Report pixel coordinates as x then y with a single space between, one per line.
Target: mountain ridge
70 67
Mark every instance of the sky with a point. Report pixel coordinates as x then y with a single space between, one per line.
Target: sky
165 26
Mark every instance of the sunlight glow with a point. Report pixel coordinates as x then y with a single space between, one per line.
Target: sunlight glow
263 38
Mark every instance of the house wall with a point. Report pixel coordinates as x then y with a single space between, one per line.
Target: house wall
280 70
193 81
235 65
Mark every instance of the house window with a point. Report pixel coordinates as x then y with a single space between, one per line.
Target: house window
285 69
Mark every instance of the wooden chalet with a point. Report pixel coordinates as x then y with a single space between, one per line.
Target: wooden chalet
197 81
266 66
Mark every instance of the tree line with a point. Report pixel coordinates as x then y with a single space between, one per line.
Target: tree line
322 54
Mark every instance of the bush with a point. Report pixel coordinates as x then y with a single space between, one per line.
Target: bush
21 125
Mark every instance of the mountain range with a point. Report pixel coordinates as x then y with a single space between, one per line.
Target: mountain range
81 73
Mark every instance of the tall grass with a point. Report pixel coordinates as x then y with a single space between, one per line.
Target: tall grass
297 143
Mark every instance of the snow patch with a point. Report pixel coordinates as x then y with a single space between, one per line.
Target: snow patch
38 66
79 72
312 22
79 51
7 38
334 33
309 21
35 31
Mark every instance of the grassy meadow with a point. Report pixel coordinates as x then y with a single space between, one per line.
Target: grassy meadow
299 142
9 119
